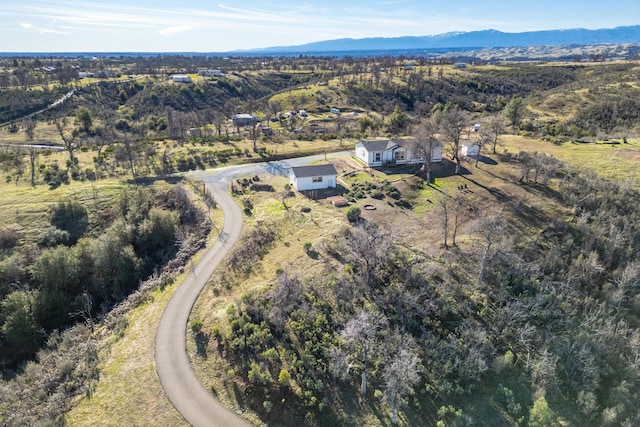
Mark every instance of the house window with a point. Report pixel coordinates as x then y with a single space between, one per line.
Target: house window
398 155
316 179
377 156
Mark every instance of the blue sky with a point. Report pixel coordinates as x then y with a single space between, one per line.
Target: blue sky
206 26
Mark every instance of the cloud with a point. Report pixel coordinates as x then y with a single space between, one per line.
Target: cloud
29 26
176 29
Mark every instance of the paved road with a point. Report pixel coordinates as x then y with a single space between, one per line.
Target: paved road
194 402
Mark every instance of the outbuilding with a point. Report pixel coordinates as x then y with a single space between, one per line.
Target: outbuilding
316 177
181 78
469 149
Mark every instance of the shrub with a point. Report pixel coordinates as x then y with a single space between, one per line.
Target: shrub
70 216
257 375
377 194
196 326
53 236
284 378
9 238
353 214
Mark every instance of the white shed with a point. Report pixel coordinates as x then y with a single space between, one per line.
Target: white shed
181 78
469 149
313 177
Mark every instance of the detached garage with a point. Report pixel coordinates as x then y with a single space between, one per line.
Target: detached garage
313 177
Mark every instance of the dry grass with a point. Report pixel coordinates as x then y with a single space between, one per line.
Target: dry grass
26 208
129 392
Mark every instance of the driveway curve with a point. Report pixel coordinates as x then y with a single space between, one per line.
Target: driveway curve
183 389
194 402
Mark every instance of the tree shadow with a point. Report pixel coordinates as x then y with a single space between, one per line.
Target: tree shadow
499 195
202 341
487 160
150 180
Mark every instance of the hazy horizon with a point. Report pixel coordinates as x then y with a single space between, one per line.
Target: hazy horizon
63 26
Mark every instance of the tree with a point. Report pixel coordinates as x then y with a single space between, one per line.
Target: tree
491 227
400 375
398 121
514 111
362 337
453 122
33 157
496 128
18 326
444 204
540 415
70 216
426 144
284 298
17 162
69 137
368 249
57 271
254 133
84 119
459 209
482 138
29 130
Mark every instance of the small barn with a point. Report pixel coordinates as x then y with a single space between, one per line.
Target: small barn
316 177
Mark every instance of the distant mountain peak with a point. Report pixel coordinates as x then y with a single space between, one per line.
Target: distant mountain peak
469 39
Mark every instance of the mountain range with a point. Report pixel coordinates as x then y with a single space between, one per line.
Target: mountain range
471 39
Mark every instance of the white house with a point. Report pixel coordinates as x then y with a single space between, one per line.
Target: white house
211 73
181 78
390 152
313 177
469 149
240 120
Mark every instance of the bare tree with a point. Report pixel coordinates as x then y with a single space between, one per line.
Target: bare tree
444 204
400 375
491 228
284 297
33 157
459 210
496 128
69 136
453 123
482 138
17 162
29 130
368 247
426 144
362 336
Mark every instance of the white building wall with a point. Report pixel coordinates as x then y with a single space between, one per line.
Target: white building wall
306 183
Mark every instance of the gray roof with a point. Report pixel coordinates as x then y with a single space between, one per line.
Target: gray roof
318 170
387 144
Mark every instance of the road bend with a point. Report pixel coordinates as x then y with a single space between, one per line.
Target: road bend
183 389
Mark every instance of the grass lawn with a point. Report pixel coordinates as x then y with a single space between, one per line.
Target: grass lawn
26 209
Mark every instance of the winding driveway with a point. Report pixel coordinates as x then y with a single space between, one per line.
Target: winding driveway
183 389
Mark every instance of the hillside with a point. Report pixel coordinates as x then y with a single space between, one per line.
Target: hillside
558 272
